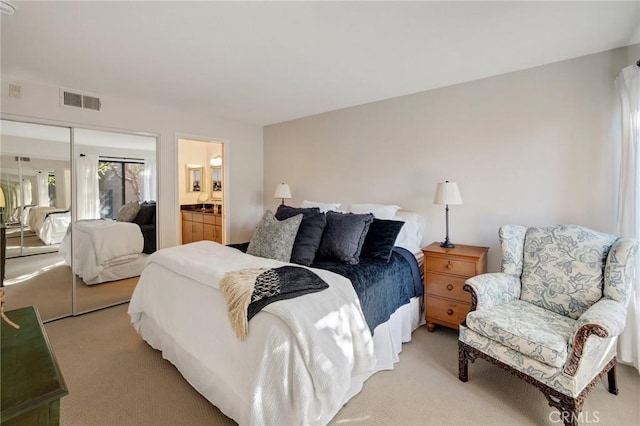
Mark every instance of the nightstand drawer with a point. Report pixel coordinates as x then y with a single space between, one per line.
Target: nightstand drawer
447 286
442 310
450 266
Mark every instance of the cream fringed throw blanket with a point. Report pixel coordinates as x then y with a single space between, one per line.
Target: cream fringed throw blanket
247 291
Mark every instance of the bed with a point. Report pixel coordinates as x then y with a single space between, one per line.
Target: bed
303 358
49 223
104 250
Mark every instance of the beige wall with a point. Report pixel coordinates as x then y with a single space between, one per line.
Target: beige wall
533 147
243 142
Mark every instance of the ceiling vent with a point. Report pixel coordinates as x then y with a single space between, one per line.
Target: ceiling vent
23 158
78 100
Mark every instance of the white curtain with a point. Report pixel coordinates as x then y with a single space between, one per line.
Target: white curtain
88 194
43 188
27 194
150 185
628 220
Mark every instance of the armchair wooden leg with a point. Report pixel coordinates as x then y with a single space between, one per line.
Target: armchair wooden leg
463 364
569 408
570 418
611 376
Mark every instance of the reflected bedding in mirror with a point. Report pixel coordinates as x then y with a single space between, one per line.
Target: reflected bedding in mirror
49 223
104 250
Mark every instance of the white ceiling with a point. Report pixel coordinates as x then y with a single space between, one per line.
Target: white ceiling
268 62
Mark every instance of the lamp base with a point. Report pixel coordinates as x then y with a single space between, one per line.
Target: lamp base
447 244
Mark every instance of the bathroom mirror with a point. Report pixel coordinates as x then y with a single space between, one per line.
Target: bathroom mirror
216 181
195 175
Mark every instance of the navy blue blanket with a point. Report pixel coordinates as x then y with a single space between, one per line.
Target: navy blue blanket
381 287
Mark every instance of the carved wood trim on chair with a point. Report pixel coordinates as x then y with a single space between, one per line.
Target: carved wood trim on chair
579 341
474 297
569 407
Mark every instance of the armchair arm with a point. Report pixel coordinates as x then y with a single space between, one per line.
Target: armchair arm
492 289
605 318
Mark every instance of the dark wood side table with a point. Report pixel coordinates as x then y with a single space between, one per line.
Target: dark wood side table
445 271
31 381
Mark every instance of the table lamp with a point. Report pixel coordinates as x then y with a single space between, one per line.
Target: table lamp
282 192
447 193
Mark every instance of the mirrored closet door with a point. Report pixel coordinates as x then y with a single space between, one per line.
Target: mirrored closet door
78 213
114 228
35 201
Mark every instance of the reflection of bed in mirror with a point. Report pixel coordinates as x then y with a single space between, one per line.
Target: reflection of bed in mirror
37 169
104 250
49 223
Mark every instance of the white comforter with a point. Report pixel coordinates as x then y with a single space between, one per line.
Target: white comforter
49 223
98 244
54 227
36 216
301 355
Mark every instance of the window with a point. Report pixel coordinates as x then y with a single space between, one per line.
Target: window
120 181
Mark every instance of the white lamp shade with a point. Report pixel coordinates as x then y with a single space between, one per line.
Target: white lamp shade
2 201
447 193
282 191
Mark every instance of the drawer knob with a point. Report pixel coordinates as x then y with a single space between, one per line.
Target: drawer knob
449 265
449 311
449 287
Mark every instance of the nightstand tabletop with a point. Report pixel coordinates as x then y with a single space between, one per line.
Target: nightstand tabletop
459 249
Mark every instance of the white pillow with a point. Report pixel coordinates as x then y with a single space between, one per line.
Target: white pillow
380 211
410 236
324 207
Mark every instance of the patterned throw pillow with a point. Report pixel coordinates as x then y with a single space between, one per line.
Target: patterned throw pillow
128 212
274 239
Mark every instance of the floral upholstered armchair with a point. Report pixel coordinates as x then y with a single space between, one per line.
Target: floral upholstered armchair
553 315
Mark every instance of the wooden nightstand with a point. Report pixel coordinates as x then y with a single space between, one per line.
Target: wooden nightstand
445 271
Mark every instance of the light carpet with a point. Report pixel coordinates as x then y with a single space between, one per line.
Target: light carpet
46 281
115 378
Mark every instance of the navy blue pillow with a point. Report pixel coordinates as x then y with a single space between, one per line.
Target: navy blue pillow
381 239
344 236
285 212
309 233
146 213
308 239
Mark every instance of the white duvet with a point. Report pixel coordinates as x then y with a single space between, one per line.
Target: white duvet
54 227
296 366
99 244
49 223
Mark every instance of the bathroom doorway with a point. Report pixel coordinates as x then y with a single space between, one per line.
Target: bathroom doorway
202 190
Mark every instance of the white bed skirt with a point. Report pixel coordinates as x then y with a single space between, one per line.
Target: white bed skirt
120 271
388 338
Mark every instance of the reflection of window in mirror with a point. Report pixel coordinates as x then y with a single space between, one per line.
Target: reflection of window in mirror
216 179
194 178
